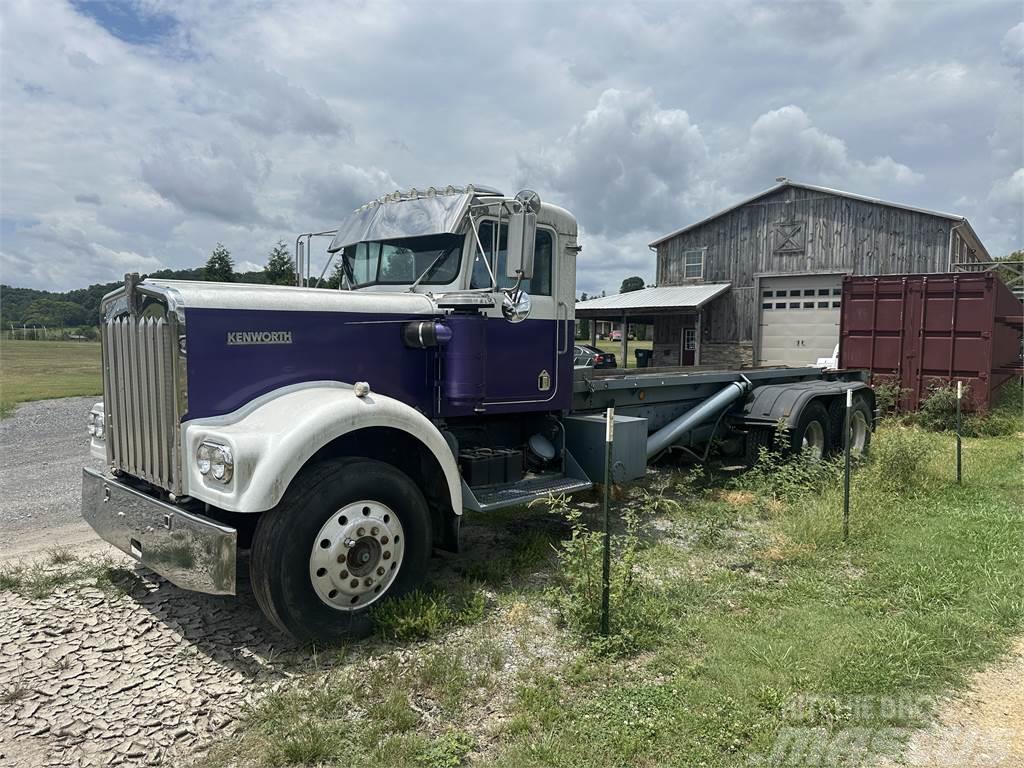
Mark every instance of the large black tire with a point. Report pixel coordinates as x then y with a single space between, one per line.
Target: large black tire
756 439
813 430
286 535
861 419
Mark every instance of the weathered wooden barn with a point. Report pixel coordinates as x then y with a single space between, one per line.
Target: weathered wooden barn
783 254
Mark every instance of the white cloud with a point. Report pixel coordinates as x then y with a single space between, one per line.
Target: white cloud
628 163
245 123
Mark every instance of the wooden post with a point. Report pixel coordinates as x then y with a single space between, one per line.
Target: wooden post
846 475
625 343
606 564
696 346
593 331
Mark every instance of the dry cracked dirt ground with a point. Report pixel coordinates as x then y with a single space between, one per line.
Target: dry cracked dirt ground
138 674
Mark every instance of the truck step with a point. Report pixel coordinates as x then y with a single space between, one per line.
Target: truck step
488 499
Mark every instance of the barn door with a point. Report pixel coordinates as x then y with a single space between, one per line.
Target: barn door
688 345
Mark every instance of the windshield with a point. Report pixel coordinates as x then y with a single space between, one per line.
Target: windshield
435 258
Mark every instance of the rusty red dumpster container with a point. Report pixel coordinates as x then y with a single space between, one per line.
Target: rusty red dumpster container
922 331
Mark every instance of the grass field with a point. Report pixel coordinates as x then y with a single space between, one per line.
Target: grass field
39 370
763 638
616 347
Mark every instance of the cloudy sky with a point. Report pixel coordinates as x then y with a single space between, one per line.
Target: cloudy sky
137 134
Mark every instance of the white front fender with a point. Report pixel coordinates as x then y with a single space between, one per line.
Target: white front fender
272 437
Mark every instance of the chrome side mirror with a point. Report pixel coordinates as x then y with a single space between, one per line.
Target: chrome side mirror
522 235
515 306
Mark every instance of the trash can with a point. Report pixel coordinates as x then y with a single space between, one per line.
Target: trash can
643 357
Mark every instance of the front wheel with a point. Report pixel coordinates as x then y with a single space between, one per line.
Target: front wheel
347 534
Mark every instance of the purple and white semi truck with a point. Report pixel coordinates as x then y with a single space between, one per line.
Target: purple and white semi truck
339 434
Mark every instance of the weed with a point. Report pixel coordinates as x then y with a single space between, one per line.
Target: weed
900 458
13 693
780 477
636 618
309 743
11 578
528 551
60 556
116 579
447 751
937 412
888 395
444 672
421 615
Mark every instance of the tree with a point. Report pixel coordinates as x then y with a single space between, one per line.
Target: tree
337 273
632 284
219 268
280 270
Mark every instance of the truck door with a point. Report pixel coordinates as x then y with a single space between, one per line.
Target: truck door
524 360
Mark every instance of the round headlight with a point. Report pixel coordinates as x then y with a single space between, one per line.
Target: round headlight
214 460
204 458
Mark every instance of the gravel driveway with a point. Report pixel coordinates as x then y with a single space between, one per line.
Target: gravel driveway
43 447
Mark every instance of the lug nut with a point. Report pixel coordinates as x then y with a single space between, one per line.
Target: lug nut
368 581
354 583
349 543
380 571
384 539
374 531
343 575
387 555
361 532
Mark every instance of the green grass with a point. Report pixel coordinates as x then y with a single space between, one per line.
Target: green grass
40 370
616 348
777 630
39 579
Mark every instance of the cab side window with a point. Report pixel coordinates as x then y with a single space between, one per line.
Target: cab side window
495 242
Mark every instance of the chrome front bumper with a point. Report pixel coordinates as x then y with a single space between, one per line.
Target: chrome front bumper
188 550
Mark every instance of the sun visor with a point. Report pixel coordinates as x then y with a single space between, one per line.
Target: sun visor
405 217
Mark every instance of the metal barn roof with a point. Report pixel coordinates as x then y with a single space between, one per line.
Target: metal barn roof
824 190
652 300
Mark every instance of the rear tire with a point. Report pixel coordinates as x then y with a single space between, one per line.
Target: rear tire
861 424
813 431
347 535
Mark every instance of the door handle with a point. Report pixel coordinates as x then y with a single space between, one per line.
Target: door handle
565 328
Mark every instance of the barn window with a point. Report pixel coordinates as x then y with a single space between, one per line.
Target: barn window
789 237
693 264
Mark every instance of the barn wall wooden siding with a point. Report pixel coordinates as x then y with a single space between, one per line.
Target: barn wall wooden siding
840 235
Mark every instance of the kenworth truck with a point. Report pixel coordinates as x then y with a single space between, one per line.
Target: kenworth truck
338 435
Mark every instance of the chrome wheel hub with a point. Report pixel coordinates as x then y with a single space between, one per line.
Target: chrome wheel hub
356 555
814 440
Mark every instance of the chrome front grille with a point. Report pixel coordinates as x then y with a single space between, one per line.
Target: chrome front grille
139 398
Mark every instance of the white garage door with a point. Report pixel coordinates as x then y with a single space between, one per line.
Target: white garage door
799 318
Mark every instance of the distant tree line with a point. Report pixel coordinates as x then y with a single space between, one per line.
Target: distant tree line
29 307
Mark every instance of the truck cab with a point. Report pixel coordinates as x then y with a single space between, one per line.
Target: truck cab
338 434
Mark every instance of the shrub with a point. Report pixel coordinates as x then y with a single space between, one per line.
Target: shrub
900 458
938 411
887 397
783 477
